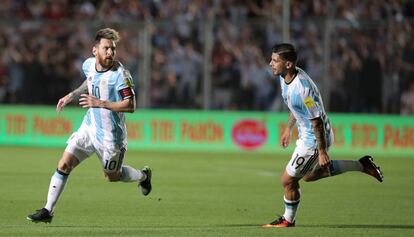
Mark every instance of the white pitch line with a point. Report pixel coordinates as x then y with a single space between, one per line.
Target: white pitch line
267 173
256 172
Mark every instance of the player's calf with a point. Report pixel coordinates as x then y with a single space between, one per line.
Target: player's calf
113 177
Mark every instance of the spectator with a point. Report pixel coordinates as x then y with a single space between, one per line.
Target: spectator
226 79
407 100
3 82
190 75
371 77
43 27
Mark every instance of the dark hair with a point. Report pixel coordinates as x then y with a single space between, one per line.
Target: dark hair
286 52
107 33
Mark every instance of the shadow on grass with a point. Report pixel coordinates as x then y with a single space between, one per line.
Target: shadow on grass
344 226
160 226
339 226
363 226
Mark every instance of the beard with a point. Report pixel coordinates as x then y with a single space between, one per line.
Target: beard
106 63
279 72
276 73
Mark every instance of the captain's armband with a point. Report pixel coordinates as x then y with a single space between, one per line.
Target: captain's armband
126 93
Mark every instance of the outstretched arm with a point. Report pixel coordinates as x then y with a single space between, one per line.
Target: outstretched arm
90 101
319 130
285 138
69 97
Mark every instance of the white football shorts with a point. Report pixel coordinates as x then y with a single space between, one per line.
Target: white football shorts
304 160
82 144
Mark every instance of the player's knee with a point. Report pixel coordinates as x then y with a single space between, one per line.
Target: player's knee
283 181
64 166
113 177
289 183
67 163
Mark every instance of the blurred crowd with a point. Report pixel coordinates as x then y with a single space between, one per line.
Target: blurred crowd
358 52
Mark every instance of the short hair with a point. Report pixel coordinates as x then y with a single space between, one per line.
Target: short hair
286 52
107 33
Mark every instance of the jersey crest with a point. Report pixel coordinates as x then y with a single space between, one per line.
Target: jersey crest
309 102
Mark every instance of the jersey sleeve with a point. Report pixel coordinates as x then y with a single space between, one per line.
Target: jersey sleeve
125 85
82 75
86 66
310 100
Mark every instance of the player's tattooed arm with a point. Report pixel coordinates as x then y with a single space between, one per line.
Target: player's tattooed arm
82 89
291 121
287 133
90 101
319 130
72 95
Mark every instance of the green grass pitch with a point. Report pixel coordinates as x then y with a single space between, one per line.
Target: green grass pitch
200 194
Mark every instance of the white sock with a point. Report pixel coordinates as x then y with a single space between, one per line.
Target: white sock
342 166
290 209
130 174
57 184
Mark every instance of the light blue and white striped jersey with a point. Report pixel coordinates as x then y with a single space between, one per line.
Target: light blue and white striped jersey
108 126
305 103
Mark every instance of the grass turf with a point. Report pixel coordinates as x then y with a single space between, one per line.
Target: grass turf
200 194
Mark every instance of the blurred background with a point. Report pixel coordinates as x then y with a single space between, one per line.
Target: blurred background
214 55
198 65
